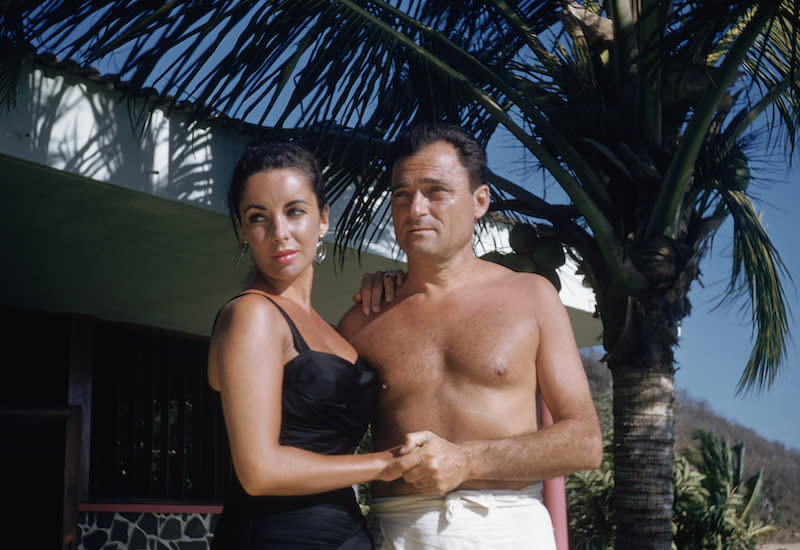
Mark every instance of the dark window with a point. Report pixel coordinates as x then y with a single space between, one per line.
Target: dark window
157 428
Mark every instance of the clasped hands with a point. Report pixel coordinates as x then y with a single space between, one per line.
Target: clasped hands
428 462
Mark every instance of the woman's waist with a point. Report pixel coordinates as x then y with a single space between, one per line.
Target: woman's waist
240 503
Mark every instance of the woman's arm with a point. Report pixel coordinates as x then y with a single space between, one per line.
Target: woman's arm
250 346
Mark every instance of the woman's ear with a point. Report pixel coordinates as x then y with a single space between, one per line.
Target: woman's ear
324 219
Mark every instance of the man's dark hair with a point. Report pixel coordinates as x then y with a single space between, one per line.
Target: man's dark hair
471 154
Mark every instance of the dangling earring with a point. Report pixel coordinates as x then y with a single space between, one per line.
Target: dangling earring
322 251
242 252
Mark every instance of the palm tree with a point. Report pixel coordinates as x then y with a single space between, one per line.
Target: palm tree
642 111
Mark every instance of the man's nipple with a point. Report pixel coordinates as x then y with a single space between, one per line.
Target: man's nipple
500 370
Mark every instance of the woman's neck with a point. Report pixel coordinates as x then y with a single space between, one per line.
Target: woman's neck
297 290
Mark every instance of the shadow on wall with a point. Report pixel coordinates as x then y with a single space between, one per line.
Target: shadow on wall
89 129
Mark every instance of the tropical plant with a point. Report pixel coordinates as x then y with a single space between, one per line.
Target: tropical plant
713 503
590 493
690 505
644 112
727 521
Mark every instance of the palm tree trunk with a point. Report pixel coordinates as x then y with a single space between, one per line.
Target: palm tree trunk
644 435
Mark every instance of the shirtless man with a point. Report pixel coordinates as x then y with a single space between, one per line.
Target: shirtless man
462 351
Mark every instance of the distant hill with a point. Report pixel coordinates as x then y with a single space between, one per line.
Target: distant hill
780 503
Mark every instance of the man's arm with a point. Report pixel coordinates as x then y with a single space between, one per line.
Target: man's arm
351 322
377 288
572 443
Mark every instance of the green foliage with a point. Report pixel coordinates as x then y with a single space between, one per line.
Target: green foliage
713 503
363 490
689 505
591 510
726 522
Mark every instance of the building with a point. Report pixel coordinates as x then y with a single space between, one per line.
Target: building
117 253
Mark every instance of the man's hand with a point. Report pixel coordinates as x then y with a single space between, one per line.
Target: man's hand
374 286
394 464
432 464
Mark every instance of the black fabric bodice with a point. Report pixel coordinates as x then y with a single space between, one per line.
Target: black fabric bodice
327 404
327 401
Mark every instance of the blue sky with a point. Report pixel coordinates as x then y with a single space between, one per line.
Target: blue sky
715 341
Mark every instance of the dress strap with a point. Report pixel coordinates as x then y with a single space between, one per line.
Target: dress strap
299 341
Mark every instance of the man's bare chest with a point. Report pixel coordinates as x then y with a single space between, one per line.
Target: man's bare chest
422 345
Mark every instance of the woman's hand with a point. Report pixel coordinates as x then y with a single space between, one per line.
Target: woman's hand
432 464
377 287
396 463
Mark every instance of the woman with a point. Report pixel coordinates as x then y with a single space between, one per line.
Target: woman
295 397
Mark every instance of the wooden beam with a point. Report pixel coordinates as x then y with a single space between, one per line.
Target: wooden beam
72 479
80 390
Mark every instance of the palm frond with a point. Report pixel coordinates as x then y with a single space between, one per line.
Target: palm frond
773 65
12 50
670 195
757 272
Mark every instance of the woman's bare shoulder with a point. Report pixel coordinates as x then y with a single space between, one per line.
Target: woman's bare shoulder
248 310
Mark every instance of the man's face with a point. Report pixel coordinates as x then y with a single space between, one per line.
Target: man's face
433 209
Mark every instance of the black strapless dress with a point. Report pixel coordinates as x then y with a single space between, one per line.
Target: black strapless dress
327 403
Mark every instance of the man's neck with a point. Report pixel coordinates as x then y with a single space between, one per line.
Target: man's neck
426 275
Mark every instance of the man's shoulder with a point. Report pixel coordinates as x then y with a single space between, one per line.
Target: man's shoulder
520 290
353 321
501 275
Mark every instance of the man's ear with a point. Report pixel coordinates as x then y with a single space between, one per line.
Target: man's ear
481 196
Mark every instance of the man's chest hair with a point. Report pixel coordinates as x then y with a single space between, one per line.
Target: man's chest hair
439 346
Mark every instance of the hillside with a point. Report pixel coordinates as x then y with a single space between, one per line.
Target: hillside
780 504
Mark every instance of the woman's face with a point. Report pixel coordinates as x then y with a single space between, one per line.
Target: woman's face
281 222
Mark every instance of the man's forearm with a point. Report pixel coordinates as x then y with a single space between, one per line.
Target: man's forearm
565 447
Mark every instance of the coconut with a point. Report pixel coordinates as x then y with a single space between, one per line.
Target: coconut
737 172
522 238
548 253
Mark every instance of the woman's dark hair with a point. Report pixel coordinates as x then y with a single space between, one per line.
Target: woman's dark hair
272 156
471 153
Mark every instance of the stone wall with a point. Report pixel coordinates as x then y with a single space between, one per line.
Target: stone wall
145 531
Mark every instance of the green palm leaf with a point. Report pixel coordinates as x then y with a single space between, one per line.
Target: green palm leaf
758 269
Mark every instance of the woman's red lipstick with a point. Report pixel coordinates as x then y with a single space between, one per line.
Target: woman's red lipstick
284 257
